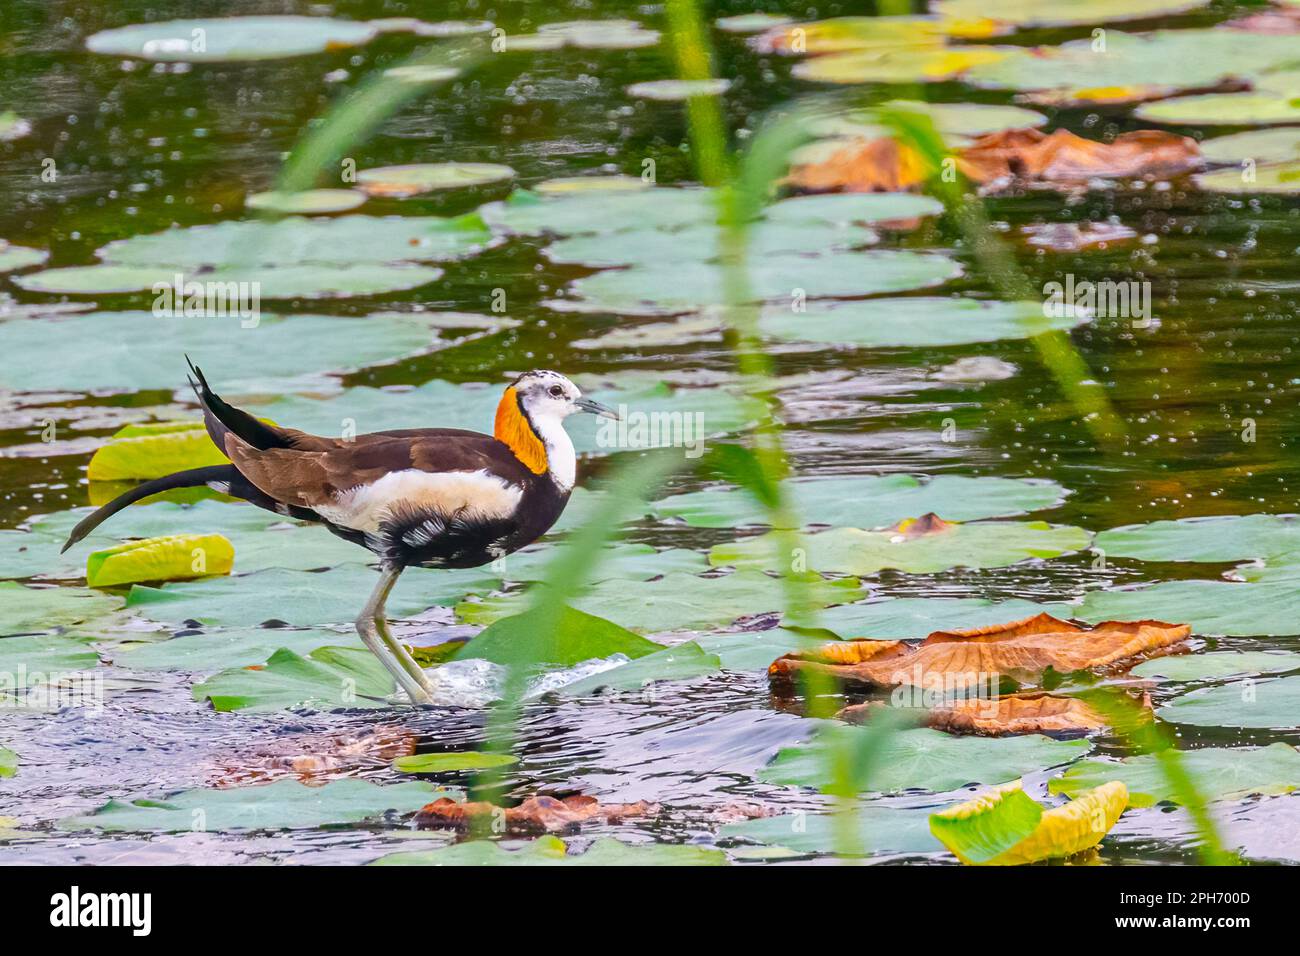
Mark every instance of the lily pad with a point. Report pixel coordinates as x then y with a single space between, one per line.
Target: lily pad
1271 704
172 558
1215 539
677 288
300 598
1062 13
868 501
922 759
19 257
8 762
678 90
567 185
675 601
911 618
282 805
230 39
520 641
452 762
309 202
750 22
328 678
127 351
1262 146
1223 109
1220 773
913 322
1213 666
1270 178
597 34
26 660
987 544
876 830
399 182
551 851
208 651
906 65
1213 608
25 610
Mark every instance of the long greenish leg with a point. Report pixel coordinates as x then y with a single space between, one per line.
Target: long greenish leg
399 652
371 636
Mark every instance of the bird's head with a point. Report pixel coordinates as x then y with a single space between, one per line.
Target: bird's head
531 411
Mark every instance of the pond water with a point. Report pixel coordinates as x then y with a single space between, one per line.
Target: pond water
1207 394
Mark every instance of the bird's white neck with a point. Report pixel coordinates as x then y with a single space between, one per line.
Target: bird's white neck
561 459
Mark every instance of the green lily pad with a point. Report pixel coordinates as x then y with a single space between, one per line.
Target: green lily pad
1062 13
1198 667
911 322
309 202
293 257
8 762
598 34
982 837
674 602
23 660
213 650
1220 773
398 182
230 39
1216 539
753 651
567 185
13 126
868 501
328 678
1271 703
452 762
621 561
679 662
677 288
136 350
1261 145
678 90
751 22
1189 59
1222 109
25 610
650 246
282 805
923 759
923 64
300 598
520 641
987 544
1270 178
19 257
1212 608
897 619
551 851
876 830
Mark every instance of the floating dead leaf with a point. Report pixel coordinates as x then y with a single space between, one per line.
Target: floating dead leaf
315 758
1075 237
862 166
1062 157
1022 650
999 716
536 814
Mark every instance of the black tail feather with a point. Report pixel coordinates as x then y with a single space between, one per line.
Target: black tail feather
221 417
192 478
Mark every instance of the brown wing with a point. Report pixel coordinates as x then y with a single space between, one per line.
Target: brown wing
315 475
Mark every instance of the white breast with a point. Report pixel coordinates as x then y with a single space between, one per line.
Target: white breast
366 507
561 460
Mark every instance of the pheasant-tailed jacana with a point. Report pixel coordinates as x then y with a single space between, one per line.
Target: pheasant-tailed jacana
433 497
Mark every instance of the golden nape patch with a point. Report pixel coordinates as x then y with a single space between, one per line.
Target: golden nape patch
513 430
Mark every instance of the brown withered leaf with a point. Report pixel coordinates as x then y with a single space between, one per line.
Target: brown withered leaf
1062 157
999 716
862 166
314 759
1022 650
534 815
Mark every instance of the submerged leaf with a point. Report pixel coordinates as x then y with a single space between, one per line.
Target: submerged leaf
1021 650
999 716
536 814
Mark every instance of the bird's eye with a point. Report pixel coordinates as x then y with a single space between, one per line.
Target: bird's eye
556 391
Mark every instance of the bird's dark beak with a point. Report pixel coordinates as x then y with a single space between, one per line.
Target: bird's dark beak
604 411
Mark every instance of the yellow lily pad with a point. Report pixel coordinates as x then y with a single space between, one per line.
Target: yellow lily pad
178 557
1005 827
